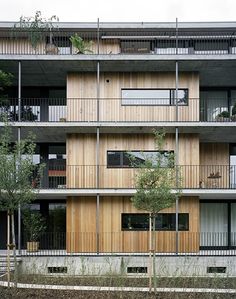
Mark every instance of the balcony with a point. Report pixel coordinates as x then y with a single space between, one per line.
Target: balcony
147 110
128 42
213 177
190 243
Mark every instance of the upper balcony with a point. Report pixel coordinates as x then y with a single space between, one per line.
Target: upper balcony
156 42
119 110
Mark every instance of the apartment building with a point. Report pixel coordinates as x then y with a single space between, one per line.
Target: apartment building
89 109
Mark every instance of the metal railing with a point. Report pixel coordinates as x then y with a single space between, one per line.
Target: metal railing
132 242
85 177
117 110
126 42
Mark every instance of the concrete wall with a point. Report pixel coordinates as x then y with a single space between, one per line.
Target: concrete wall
102 265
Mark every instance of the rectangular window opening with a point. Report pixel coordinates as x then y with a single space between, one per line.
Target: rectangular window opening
57 269
134 270
216 270
164 222
133 159
154 97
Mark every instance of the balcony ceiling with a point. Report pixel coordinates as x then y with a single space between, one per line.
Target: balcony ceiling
215 70
56 132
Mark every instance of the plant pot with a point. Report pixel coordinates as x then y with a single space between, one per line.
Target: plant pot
223 119
51 49
32 246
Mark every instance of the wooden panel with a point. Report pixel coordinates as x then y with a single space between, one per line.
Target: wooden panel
81 224
111 91
81 227
81 97
20 46
81 161
214 161
83 85
124 177
114 240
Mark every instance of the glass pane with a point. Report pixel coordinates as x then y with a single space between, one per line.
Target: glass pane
114 159
214 103
182 97
214 224
233 224
135 221
145 96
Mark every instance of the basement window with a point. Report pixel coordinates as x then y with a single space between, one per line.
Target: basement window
135 270
57 269
216 270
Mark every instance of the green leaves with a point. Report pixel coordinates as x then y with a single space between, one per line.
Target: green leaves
156 180
81 45
17 171
34 224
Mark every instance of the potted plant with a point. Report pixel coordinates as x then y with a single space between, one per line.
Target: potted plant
233 116
35 28
223 116
82 46
35 226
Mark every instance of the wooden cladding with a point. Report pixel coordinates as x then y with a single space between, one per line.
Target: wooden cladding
214 159
81 161
82 234
82 103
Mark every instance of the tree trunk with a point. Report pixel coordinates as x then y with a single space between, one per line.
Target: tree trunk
14 248
8 248
154 252
150 252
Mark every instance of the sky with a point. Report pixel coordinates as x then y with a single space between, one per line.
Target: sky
122 10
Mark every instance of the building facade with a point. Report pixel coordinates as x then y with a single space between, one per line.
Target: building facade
89 109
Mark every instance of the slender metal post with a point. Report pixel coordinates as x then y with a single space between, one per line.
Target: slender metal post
98 36
98 90
97 186
176 76
19 139
97 145
97 223
177 144
177 185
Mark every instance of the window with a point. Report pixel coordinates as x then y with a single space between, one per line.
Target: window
129 159
164 222
153 97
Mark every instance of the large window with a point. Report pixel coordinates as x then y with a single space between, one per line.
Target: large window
164 222
119 159
155 97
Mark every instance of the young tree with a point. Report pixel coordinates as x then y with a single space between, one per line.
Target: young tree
5 81
17 171
156 181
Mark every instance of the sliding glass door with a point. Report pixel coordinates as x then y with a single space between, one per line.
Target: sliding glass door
214 224
218 224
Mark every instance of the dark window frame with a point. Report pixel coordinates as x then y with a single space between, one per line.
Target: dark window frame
171 97
146 224
122 156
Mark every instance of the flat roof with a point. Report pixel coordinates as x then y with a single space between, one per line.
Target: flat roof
135 25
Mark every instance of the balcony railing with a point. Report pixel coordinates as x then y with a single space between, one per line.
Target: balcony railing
190 243
92 177
105 42
117 110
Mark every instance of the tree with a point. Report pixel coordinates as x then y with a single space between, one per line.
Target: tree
155 181
35 26
5 81
17 171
